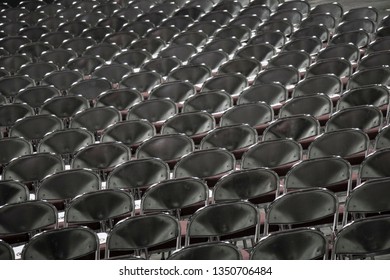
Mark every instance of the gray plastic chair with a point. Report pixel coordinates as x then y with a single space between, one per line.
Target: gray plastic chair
207 251
278 155
195 74
325 19
162 65
19 221
74 27
318 31
63 244
310 45
366 117
296 58
350 143
241 33
232 83
13 192
359 13
335 9
287 76
227 45
6 251
12 63
193 124
62 80
144 81
137 175
165 33
294 209
138 27
177 91
209 165
10 113
380 44
181 52
365 24
382 140
132 58
295 244
224 221
374 60
280 25
261 11
274 38
55 38
151 45
13 147
37 70
250 21
11 85
99 210
145 234
235 138
34 49
347 51
260 52
359 38
121 39
36 96
301 128
340 67
90 88
59 57
175 147
256 185
12 44
179 197
112 72
246 66
194 38
363 239
207 27
220 17
374 166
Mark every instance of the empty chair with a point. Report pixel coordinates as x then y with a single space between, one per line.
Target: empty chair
311 45
209 165
302 6
114 22
260 52
207 251
256 185
13 147
101 157
37 70
95 119
121 39
137 175
155 111
350 143
154 17
294 16
34 50
6 251
335 9
62 80
367 199
193 124
319 106
227 45
374 166
12 63
12 44
359 13
375 95
90 88
214 102
55 38
195 74
63 244
33 33
234 138
326 19
258 9
121 99
144 234
224 221
256 114
13 192
359 38
65 142
340 67
59 57
177 91
194 38
347 51
105 51
162 65
151 45
382 140
327 84
380 44
220 17
165 33
212 59
99 209
278 155
85 64
250 21
272 94
332 173
365 24
175 147
36 96
63 186
97 33
288 76
112 72
13 28
239 32
10 113
245 66
34 128
280 25
295 244
366 117
138 27
362 239
301 128
73 27
141 81
11 85
233 84
179 197
274 38
207 27
232 7
51 23
376 59
296 58
19 221
292 209
78 44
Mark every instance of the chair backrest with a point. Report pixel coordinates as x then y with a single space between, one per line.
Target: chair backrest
64 107
310 45
177 91
350 143
13 192
112 72
6 251
61 187
374 166
285 75
272 94
31 169
332 173
375 95
295 244
359 38
316 105
371 76
207 251
347 51
178 196
232 83
313 206
101 207
340 67
256 185
261 51
144 232
90 89
13 147
141 81
175 147
63 244
26 218
62 79
382 140
297 58
374 60
195 74
327 84
363 238
209 165
278 155
10 113
230 220
212 59
247 66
